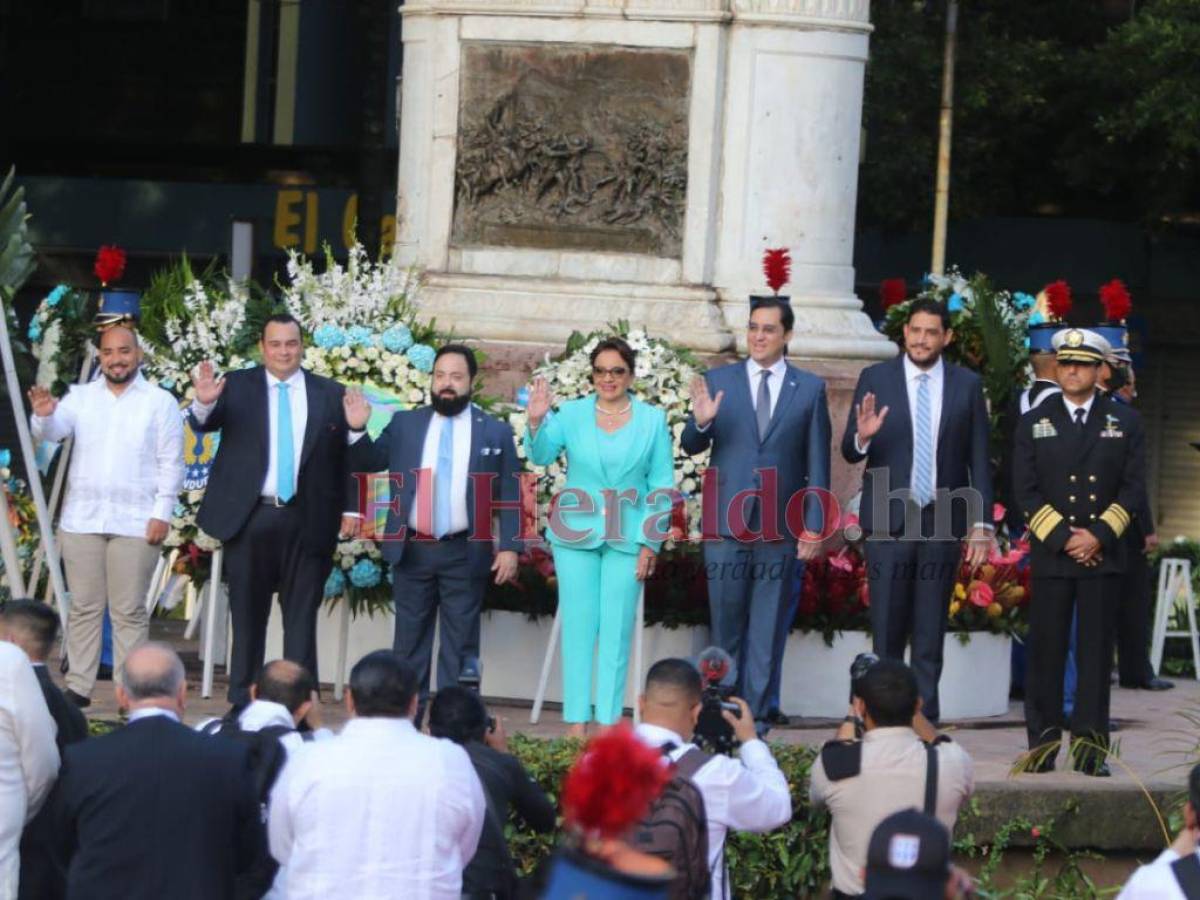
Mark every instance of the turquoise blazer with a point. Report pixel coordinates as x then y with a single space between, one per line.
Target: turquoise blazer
648 467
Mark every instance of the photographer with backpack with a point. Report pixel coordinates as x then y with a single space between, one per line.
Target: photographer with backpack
709 795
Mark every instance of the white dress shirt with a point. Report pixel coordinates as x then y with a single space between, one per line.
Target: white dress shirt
774 384
297 405
127 467
912 383
1154 881
1086 406
745 794
458 481
378 812
260 714
28 757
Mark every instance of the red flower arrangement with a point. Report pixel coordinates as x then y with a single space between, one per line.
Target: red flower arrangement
612 784
834 593
110 264
777 267
892 291
992 597
1115 298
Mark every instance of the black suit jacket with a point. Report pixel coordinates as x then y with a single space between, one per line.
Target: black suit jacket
493 460
961 453
1064 479
324 489
155 810
42 878
71 722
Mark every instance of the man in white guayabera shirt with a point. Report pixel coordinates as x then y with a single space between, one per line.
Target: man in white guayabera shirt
125 476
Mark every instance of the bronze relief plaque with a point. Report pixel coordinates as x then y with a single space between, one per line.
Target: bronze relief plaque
572 148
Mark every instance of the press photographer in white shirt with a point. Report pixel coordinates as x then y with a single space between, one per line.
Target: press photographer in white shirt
748 793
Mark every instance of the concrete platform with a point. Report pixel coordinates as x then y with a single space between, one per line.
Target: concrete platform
1157 743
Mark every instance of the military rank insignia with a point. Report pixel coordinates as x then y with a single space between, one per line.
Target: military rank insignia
1044 429
1112 427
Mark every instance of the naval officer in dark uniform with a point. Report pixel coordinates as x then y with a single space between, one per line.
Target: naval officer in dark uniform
1078 473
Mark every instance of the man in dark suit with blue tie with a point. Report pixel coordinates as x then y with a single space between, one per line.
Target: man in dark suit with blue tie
767 423
278 489
926 487
451 468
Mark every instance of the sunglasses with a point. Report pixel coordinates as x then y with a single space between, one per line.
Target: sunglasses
615 372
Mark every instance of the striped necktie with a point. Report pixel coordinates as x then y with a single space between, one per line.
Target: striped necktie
923 452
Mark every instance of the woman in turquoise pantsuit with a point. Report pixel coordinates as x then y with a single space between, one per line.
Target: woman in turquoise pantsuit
607 525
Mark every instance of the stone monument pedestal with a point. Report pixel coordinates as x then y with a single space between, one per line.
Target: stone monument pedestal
568 163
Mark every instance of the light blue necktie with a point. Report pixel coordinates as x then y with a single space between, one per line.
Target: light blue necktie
441 480
285 461
923 454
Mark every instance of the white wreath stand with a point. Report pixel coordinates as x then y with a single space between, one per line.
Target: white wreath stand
1174 580
45 524
639 627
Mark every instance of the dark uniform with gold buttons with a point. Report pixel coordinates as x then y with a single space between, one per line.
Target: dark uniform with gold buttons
1082 468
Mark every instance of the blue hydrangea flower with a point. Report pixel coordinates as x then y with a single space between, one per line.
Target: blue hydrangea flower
1026 343
397 339
421 356
35 330
956 302
329 336
1036 317
358 336
5 458
335 584
56 295
167 384
1023 300
365 574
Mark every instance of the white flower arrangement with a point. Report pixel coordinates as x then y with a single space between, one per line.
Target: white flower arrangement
364 293
662 376
204 331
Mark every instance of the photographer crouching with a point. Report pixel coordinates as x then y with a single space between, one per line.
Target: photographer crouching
749 793
459 714
886 757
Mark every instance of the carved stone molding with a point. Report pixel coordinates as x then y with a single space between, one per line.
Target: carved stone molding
839 14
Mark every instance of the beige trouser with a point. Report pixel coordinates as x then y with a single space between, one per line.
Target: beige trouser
104 569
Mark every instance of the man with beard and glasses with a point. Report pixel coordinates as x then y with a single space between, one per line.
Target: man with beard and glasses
126 473
451 466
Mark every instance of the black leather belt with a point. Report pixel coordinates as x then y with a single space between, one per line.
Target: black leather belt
272 500
421 536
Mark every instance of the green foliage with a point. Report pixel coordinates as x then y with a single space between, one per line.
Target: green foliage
16 253
1064 107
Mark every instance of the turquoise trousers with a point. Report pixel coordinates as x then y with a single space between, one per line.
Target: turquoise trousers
597 594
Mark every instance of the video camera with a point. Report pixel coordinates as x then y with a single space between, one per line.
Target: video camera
719 674
861 665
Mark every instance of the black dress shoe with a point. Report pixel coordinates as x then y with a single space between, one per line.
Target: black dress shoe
78 699
775 717
1158 684
1094 771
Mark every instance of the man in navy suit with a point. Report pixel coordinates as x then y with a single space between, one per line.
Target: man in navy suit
927 479
278 490
450 467
768 425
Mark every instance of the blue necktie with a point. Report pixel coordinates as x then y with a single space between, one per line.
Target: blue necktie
923 454
285 461
441 480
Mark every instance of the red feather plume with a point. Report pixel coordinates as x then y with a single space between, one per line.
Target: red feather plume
110 264
777 266
1058 297
893 291
1116 300
612 785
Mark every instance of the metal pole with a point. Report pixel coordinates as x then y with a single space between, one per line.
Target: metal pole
941 200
